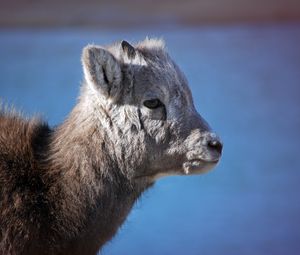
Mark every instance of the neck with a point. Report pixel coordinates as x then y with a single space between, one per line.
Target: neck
96 195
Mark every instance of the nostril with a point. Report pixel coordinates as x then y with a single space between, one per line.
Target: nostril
215 145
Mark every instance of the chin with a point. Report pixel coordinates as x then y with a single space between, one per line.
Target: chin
188 168
198 167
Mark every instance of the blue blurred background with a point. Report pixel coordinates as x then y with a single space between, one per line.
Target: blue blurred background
242 61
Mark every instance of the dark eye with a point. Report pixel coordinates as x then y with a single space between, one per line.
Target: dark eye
153 103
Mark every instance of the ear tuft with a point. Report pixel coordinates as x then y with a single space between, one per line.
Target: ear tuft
102 71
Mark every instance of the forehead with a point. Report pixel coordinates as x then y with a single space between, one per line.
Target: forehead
161 75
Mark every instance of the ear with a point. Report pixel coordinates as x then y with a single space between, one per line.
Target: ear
102 71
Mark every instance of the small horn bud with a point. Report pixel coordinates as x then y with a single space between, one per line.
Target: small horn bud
128 49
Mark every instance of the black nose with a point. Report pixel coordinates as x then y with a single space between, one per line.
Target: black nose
215 144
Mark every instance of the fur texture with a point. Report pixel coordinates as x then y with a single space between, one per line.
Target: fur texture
67 190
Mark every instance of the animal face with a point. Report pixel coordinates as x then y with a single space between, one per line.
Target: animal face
142 100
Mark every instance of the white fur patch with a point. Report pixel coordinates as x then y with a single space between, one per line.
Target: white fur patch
152 43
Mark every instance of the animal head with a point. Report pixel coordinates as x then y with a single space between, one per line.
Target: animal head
140 97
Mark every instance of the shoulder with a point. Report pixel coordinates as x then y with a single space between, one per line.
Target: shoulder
23 192
23 146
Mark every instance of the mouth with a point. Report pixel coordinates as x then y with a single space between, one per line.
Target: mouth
198 166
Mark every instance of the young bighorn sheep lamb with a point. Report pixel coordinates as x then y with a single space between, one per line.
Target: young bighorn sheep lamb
67 190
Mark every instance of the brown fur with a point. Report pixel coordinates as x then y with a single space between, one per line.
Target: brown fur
50 204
